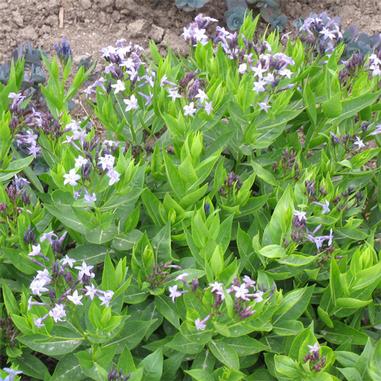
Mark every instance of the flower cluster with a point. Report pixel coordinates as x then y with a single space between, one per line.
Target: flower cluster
17 189
196 32
300 232
375 64
26 141
321 31
245 295
72 282
12 374
316 360
123 56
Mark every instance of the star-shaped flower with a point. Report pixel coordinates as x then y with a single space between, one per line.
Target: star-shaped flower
71 178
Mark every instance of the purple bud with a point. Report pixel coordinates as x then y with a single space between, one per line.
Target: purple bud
25 198
12 192
3 207
245 313
68 277
195 284
29 236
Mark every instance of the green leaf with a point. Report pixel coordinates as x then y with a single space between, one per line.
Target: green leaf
244 345
14 168
90 253
288 367
68 368
168 310
200 375
224 353
50 345
10 301
153 366
280 220
272 251
374 368
293 304
101 235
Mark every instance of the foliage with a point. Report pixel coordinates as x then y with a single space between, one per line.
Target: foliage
270 10
211 217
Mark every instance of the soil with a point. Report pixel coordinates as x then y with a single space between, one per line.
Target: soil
90 25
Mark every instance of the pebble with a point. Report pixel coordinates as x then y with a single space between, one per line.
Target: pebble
156 33
137 28
85 4
28 33
18 20
175 42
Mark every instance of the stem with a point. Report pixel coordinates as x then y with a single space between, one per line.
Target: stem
129 123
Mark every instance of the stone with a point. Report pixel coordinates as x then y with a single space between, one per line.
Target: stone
103 4
138 28
85 4
156 33
52 20
28 34
115 16
17 19
104 18
126 5
54 4
175 42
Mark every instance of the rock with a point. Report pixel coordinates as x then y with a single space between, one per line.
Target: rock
17 19
103 18
125 5
52 20
115 16
175 42
85 4
28 33
54 4
103 4
156 33
45 30
138 28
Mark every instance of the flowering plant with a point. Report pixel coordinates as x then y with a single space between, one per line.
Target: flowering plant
211 217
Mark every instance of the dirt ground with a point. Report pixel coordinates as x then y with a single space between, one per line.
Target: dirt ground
90 25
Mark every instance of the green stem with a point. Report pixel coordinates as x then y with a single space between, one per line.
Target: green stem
129 123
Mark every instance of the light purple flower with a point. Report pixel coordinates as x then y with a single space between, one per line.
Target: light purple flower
71 178
75 298
208 107
57 312
36 250
114 177
201 324
264 106
359 143
300 215
91 291
106 162
131 103
241 292
189 109
85 270
174 293
118 86
106 297
66 260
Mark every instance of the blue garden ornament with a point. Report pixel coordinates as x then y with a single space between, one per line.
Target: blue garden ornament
270 11
235 13
190 5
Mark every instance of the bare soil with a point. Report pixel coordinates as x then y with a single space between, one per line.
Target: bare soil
90 25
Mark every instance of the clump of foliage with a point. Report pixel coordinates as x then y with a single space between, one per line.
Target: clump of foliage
270 10
214 217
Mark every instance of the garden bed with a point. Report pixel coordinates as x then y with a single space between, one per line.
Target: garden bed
90 25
